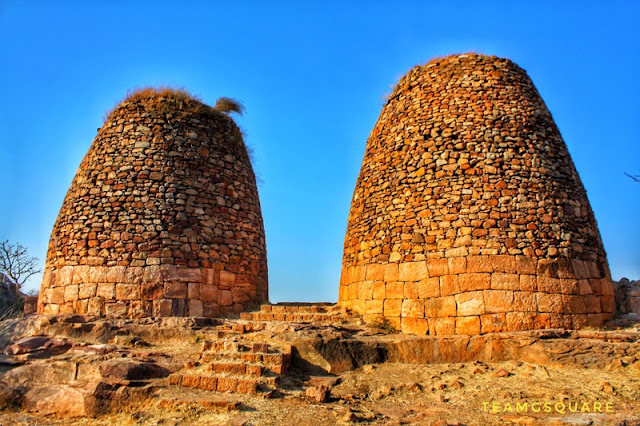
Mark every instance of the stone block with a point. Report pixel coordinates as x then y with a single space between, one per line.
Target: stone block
552 303
106 291
547 268
175 290
413 271
457 265
95 306
592 304
526 321
392 307
70 293
569 286
500 281
365 291
411 290
227 279
115 274
225 298
81 274
429 287
394 290
193 291
64 276
440 307
574 304
560 321
189 275
115 309
607 287
391 272
227 384
413 308
493 323
247 386
418 326
468 325
449 284
442 326
608 304
496 301
374 272
526 265
579 321
579 270
549 285
479 264
379 288
374 307
195 308
528 283
470 303
593 271
584 287
212 310
353 291
134 275
57 295
525 301
151 290
162 308
504 264
209 383
86 291
437 267
474 281
127 291
152 274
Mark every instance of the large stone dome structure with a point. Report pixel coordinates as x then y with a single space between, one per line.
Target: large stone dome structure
162 218
468 215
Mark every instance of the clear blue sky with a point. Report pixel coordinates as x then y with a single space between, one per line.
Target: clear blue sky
312 76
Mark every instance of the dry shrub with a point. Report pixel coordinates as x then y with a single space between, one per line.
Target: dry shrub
383 324
154 96
225 105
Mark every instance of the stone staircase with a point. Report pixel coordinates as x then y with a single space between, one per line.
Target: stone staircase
231 362
319 313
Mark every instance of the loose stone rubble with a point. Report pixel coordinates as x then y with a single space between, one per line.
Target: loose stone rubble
468 215
161 219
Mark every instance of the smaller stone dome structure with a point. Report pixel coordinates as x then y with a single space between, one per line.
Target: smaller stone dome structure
162 218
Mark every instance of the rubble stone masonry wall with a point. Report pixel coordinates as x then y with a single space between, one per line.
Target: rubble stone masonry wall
162 219
468 215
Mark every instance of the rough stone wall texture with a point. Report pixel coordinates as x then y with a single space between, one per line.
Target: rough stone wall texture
161 219
468 215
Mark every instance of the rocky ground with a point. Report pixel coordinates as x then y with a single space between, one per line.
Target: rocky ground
92 371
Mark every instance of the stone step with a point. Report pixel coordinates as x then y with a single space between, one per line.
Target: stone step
302 318
241 328
238 346
247 357
206 402
303 308
223 382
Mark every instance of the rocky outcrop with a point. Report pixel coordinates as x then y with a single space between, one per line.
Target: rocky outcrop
162 218
468 215
627 296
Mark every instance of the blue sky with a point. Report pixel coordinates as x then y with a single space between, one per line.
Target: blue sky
312 76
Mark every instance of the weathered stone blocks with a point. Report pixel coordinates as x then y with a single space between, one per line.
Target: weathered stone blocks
162 218
468 201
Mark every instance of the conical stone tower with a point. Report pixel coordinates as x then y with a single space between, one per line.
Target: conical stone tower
468 215
161 219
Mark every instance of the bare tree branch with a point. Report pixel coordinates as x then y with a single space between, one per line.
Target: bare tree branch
635 178
16 263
